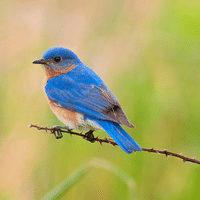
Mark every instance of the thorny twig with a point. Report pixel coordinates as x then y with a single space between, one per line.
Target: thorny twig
110 141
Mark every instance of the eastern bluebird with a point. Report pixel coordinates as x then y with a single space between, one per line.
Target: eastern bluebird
81 100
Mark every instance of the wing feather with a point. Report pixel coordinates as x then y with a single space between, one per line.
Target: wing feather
91 98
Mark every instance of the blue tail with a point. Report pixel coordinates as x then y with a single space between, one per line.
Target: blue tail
119 135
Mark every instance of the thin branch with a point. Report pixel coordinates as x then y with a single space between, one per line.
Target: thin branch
58 134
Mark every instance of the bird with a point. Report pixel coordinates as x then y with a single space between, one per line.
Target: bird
81 100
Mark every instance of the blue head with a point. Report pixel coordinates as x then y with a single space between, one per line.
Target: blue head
58 58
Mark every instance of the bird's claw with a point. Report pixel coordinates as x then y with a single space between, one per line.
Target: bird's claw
89 136
56 130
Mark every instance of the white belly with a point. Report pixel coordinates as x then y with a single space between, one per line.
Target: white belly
83 125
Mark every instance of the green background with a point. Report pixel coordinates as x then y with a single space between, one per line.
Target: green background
147 52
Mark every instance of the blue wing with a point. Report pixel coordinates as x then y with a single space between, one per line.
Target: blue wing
83 91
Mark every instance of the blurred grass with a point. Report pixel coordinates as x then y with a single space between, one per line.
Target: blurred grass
148 54
79 173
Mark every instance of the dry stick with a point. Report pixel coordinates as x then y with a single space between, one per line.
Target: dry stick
110 141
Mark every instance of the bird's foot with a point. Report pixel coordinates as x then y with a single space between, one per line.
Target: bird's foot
89 136
56 130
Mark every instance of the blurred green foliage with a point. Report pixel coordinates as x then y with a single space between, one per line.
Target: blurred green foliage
148 54
79 173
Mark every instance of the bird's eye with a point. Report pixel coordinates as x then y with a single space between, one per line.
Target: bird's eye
57 59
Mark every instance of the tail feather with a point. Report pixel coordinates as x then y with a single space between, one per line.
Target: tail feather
120 136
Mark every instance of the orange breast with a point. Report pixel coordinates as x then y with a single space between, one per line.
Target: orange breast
51 73
63 114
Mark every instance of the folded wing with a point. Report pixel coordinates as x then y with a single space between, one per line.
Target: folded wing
87 96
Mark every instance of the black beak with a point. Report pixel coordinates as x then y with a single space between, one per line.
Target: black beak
40 61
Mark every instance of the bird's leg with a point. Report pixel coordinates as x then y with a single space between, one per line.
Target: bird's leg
89 136
57 129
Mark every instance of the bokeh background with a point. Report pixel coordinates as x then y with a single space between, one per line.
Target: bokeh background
147 52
